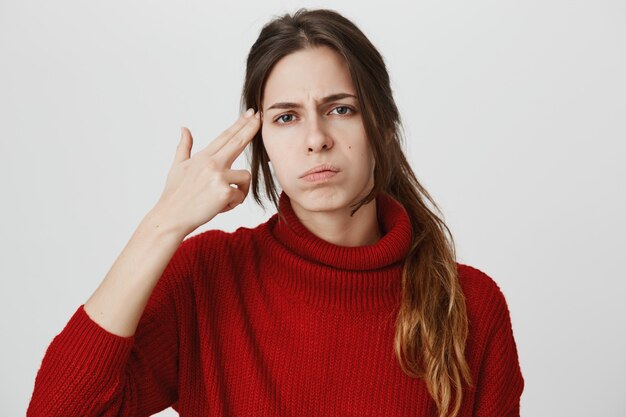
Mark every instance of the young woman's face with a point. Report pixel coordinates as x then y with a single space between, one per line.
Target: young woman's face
302 129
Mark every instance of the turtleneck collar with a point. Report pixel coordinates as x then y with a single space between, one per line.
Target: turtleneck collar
326 275
391 248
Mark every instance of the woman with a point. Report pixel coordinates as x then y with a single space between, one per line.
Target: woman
348 301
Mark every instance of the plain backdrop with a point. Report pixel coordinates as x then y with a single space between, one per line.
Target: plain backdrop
515 121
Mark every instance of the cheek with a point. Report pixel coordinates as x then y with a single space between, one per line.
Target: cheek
359 148
272 141
279 143
275 154
365 155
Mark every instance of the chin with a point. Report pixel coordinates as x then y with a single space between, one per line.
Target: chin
320 206
320 199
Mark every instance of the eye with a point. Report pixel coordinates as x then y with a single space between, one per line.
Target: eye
345 108
280 118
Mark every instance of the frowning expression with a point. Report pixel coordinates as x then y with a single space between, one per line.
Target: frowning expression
311 118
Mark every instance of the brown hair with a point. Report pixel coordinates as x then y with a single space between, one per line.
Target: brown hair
432 325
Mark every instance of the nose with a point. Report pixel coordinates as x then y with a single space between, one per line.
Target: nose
317 137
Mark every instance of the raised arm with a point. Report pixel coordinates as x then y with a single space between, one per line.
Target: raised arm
118 354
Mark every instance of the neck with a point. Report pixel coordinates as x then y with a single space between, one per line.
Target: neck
339 228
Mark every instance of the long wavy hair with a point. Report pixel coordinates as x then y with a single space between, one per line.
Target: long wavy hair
432 324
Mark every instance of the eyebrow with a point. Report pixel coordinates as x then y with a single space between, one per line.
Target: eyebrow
332 97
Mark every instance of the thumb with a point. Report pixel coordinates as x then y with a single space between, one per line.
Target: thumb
183 151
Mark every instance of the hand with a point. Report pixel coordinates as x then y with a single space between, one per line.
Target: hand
198 188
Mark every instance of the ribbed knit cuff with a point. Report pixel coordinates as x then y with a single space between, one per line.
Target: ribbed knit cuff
91 347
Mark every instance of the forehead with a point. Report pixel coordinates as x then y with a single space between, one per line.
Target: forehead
307 74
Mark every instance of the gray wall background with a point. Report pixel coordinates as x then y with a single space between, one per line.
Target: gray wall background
515 120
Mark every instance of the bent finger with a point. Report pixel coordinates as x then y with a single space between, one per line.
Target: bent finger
237 197
241 178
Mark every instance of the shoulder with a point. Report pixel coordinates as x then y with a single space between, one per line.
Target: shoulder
211 253
222 240
218 247
491 349
473 280
483 297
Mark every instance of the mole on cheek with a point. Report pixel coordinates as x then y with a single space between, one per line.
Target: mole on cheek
349 147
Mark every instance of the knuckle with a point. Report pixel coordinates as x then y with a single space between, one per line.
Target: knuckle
219 177
211 164
225 193
240 140
232 193
185 165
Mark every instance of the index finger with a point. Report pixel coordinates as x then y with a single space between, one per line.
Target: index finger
233 148
216 144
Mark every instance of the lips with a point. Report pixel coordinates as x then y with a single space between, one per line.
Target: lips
320 173
321 168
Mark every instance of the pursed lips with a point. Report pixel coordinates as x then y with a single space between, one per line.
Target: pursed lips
320 174
321 169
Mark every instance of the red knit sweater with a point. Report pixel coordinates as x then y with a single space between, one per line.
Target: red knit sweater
273 321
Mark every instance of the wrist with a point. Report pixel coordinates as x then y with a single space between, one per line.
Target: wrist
155 223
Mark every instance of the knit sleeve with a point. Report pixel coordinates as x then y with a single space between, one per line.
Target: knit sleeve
87 371
500 383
